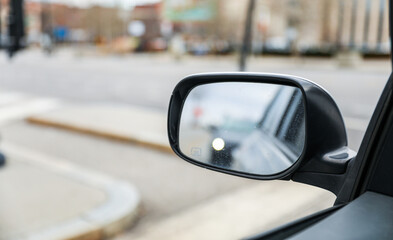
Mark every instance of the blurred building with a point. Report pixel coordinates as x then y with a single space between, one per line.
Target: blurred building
150 16
214 25
322 23
285 24
66 23
4 10
97 23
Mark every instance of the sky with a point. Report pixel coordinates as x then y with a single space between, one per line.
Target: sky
126 4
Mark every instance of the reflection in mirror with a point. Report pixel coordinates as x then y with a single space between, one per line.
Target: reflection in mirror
255 128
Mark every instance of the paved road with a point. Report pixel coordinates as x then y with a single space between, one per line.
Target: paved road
168 185
148 80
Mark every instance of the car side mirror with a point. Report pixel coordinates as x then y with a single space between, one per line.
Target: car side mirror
261 126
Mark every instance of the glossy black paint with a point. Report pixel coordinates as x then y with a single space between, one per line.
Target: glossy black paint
325 153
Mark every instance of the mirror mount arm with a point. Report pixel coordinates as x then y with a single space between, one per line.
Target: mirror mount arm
328 172
334 162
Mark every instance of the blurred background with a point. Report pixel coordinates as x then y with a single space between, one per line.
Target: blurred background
285 27
84 90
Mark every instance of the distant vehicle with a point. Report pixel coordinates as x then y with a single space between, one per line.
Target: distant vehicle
277 45
231 131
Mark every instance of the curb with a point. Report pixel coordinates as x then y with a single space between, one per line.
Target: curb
137 140
119 212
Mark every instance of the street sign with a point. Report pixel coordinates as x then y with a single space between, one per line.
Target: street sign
190 10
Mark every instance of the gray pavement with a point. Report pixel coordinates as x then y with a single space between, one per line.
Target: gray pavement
140 125
241 213
147 80
26 186
167 185
174 192
43 197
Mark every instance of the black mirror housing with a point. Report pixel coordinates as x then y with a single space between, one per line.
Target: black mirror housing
325 153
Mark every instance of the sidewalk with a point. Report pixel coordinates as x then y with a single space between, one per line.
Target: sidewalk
128 124
148 128
243 213
35 192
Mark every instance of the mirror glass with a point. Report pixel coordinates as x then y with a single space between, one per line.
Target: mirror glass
255 128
